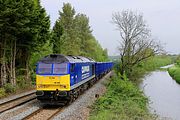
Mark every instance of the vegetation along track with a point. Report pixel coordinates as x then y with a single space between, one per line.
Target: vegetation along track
16 102
44 113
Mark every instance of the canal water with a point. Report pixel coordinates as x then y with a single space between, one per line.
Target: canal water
164 94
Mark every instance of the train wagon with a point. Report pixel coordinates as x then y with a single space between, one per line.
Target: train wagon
101 68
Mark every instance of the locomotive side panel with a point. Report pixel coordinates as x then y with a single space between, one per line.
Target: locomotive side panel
83 72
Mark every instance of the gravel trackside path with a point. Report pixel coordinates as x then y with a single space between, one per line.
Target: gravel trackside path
20 112
79 110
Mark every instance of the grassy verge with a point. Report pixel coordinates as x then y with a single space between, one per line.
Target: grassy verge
123 101
149 65
156 62
8 89
174 72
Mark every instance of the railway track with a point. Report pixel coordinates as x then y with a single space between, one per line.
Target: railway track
48 112
4 106
44 113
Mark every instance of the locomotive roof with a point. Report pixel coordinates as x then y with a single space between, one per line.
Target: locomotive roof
59 58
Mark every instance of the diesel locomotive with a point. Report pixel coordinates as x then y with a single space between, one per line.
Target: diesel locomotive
61 79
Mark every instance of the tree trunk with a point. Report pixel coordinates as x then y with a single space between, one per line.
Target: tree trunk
11 64
14 64
12 70
1 55
3 67
27 70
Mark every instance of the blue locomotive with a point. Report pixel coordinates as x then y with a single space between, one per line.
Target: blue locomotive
61 79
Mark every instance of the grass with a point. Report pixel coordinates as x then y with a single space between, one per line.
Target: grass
2 92
123 101
174 72
156 62
149 65
9 89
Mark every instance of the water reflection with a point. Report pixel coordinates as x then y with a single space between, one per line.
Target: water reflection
164 94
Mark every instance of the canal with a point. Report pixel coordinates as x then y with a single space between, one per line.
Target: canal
164 94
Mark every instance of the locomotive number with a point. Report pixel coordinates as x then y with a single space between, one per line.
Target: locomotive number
56 82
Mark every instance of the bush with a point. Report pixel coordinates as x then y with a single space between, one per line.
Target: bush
177 75
150 64
174 72
2 92
123 100
178 62
21 83
9 88
33 77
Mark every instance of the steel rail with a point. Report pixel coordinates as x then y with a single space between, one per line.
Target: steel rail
7 104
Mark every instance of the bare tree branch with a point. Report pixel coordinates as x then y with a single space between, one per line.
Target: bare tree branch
137 44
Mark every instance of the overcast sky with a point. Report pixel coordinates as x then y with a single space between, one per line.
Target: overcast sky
162 16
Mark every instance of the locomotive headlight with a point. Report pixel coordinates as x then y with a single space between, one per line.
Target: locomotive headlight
41 86
63 86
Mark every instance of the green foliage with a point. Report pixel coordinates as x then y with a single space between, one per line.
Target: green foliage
175 73
24 28
21 81
65 37
25 38
9 88
178 61
56 35
37 34
46 49
156 62
150 64
2 92
123 101
72 35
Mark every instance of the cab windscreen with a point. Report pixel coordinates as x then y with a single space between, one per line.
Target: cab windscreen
60 68
52 68
44 68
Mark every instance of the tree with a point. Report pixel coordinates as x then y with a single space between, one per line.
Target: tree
24 26
12 23
56 36
84 33
65 39
72 35
137 44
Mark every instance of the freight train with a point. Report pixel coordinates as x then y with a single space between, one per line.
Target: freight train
61 79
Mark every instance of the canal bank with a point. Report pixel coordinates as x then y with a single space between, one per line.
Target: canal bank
163 93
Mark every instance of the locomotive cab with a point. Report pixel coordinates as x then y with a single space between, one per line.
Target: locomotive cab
52 76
